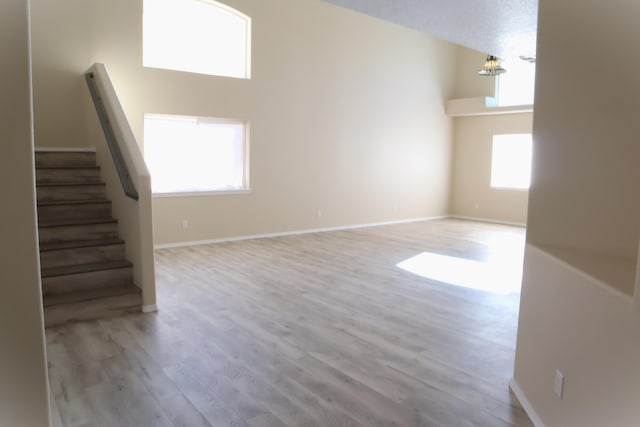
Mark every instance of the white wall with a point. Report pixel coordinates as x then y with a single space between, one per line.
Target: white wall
347 112
23 377
578 312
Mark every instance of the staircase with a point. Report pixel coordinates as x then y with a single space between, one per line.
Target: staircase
85 274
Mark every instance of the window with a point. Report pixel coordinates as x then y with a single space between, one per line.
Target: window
195 154
517 85
511 163
198 36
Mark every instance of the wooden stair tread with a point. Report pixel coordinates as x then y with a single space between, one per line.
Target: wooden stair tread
55 246
77 222
62 149
84 268
88 295
69 167
69 184
73 202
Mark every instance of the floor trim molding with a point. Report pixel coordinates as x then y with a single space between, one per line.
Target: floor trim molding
150 308
526 405
294 233
492 221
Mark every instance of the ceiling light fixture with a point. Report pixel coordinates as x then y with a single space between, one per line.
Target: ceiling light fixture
491 67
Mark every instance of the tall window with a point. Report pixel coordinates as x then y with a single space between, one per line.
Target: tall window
195 154
511 162
517 85
198 36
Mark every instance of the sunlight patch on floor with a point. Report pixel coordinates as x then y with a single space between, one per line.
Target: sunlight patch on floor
501 273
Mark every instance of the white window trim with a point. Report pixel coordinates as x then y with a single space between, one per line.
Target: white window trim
202 193
247 18
524 190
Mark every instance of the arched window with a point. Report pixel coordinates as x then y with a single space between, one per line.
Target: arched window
197 36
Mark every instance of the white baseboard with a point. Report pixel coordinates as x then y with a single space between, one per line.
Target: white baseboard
492 221
294 233
526 405
150 308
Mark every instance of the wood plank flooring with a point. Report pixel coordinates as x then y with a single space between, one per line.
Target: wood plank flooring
312 330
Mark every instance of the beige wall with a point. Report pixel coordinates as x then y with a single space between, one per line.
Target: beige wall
570 322
587 132
347 112
472 194
578 313
23 380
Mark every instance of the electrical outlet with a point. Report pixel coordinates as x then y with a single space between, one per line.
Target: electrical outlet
319 214
558 385
185 224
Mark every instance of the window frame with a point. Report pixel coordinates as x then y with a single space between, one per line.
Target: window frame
246 187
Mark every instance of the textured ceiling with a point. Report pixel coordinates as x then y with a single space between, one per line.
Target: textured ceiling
505 28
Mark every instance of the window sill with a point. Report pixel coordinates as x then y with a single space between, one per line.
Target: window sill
482 106
201 193
516 189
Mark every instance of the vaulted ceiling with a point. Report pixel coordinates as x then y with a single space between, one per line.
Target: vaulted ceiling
505 28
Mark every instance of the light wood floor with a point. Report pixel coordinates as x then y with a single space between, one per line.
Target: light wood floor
313 330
